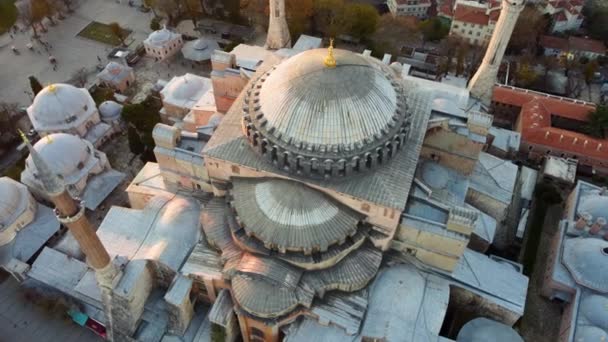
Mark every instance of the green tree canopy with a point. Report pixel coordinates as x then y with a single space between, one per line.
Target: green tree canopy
597 123
143 117
434 29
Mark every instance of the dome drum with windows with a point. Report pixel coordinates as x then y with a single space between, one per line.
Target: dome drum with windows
327 121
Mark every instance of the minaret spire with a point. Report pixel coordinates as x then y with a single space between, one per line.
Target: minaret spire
50 181
330 60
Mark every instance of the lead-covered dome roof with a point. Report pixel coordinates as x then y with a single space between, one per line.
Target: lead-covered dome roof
587 261
61 106
13 201
302 110
67 155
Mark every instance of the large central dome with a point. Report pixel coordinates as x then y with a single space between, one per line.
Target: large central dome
313 119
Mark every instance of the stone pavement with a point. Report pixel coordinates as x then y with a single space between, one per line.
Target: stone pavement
72 52
22 321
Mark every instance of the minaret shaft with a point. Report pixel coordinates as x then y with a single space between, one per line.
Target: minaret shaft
483 81
278 31
71 214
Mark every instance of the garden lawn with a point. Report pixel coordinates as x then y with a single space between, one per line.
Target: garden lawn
8 15
100 32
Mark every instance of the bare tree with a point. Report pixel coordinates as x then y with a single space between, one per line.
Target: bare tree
79 77
119 32
31 13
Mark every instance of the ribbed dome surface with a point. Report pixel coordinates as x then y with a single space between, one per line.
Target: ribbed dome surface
587 261
10 201
305 101
594 204
289 216
312 111
65 154
59 106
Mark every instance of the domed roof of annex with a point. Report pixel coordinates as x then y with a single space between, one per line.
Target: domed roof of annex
61 106
110 109
313 111
483 329
587 261
594 204
12 202
66 154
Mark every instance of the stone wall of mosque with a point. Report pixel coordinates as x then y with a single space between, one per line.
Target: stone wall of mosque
383 219
473 305
441 251
451 149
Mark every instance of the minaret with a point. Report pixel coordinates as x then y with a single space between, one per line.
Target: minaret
483 81
278 31
71 213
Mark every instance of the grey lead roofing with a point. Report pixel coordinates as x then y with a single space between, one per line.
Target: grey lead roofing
287 215
387 186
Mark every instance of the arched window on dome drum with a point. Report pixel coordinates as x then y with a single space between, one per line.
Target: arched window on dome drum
263 145
368 160
273 154
380 154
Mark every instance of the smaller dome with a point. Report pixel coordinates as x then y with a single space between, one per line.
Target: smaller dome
434 175
110 110
594 204
590 333
10 201
60 106
160 36
65 154
587 261
185 87
483 330
595 310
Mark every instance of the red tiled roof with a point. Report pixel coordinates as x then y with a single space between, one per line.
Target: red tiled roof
494 15
552 42
586 44
535 121
469 14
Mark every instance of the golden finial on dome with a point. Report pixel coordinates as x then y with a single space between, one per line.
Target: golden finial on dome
23 136
330 61
52 88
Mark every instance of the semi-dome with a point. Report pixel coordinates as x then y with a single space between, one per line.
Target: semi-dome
594 204
304 115
289 216
11 202
110 110
66 154
185 87
587 261
61 106
483 329
595 310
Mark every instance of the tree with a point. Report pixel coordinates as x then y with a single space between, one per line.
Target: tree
597 122
154 24
299 14
79 77
119 32
32 13
35 85
143 117
151 4
531 23
433 29
8 130
392 33
596 17
135 144
363 19
329 17
525 75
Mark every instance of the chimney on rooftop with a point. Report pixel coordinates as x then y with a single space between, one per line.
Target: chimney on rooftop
583 220
600 222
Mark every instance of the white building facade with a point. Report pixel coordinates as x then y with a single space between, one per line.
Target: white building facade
414 8
163 44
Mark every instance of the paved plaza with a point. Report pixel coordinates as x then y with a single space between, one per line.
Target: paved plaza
72 52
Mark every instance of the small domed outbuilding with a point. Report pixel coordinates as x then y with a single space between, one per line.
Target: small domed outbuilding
84 170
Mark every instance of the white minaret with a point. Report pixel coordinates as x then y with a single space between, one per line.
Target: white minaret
483 81
278 31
